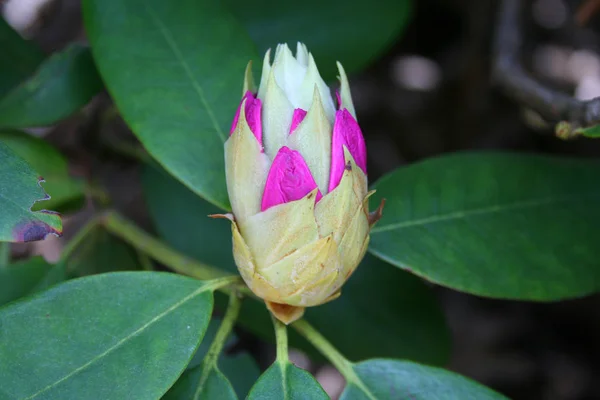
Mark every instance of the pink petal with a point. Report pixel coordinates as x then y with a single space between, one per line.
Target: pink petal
253 112
338 98
289 179
346 132
298 116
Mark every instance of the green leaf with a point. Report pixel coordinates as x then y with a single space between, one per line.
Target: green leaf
181 217
286 381
382 312
181 103
18 59
19 189
101 252
57 274
19 279
352 32
63 84
500 225
198 384
382 379
29 276
49 163
239 368
108 336
591 132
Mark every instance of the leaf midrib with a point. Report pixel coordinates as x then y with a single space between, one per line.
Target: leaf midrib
166 33
121 342
483 210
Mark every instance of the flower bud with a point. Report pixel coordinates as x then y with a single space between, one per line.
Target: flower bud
296 167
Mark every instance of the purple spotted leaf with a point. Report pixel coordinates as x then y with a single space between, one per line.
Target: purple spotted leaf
20 189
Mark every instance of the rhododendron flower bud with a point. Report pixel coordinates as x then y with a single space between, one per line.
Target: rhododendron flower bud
296 166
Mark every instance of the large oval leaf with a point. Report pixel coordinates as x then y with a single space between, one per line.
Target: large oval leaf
64 83
500 225
18 58
49 163
181 103
19 189
283 380
107 336
352 32
403 380
381 312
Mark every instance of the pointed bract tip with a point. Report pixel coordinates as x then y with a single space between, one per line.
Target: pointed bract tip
228 216
251 109
249 85
377 214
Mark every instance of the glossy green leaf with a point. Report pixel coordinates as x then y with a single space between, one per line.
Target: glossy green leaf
18 59
382 312
501 225
286 381
63 84
20 278
352 32
110 336
50 164
101 252
181 217
181 103
239 369
403 380
19 189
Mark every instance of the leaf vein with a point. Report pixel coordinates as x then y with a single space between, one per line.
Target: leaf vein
188 71
478 211
141 329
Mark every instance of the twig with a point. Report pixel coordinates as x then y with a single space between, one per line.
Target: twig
517 83
586 11
156 249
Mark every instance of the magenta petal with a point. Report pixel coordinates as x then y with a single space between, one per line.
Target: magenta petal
346 132
253 113
298 116
289 179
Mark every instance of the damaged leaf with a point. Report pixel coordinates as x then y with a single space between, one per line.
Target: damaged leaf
64 189
20 189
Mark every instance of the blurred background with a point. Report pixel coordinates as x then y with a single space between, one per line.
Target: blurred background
432 92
